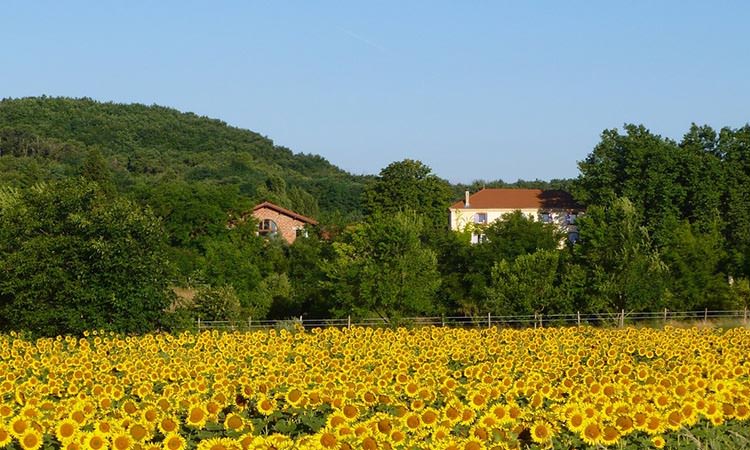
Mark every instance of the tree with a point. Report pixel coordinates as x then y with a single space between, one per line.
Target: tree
94 168
305 275
236 261
381 267
217 303
641 166
527 285
623 268
409 185
73 259
507 239
694 259
734 146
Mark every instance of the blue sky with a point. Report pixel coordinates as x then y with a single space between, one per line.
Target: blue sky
475 90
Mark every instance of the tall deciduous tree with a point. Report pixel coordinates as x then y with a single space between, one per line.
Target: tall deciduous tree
734 146
409 185
381 267
694 258
526 285
73 259
506 239
641 166
624 269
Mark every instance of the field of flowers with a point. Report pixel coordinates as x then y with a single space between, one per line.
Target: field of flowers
364 388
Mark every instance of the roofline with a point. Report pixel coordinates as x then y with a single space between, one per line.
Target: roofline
512 208
461 205
286 212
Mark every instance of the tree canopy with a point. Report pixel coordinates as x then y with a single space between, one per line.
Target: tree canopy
73 259
106 209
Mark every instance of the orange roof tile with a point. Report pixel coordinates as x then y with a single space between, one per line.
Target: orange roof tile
286 212
519 199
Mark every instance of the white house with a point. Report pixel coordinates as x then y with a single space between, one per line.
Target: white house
489 205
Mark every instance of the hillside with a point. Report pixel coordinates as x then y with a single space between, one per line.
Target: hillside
148 149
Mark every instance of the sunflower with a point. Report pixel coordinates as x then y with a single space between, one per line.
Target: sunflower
639 420
139 432
591 433
610 435
234 422
168 424
576 421
294 397
369 398
328 440
500 412
350 412
658 441
79 416
674 420
336 419
384 425
246 441
196 417
429 416
468 416
95 441
150 415
18 426
412 421
479 432
654 425
31 439
440 433
218 444
266 406
541 432
624 424
397 437
477 400
473 444
5 435
742 412
65 430
369 443
173 441
5 410
122 441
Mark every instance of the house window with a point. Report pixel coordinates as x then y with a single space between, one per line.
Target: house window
545 217
570 219
480 218
573 237
267 227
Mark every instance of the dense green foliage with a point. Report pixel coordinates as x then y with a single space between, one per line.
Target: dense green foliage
381 267
131 190
409 185
152 151
72 259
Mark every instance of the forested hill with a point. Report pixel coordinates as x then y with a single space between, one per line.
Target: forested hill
151 151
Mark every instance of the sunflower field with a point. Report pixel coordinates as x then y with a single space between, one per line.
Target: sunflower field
369 388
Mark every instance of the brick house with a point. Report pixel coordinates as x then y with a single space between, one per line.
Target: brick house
489 205
275 220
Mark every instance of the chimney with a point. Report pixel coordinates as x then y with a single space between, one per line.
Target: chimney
466 200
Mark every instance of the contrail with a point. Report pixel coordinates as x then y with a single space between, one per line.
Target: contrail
363 40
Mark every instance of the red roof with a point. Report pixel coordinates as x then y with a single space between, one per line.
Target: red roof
286 212
518 199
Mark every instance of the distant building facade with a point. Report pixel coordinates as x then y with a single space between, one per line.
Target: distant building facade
488 205
273 220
